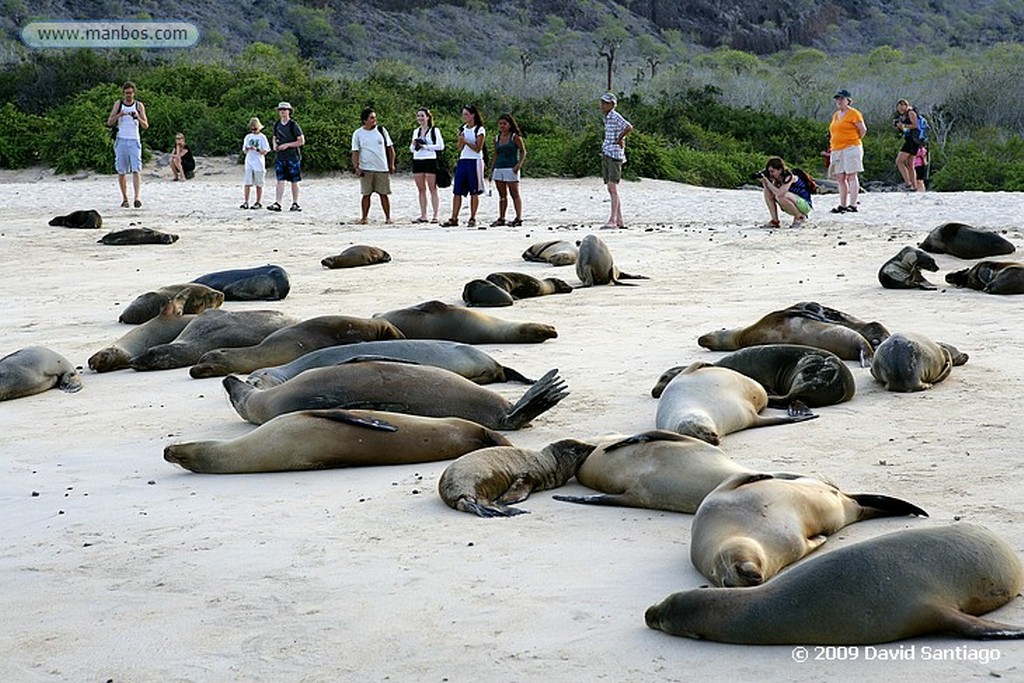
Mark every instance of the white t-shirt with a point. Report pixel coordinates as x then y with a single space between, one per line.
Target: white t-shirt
429 150
252 143
470 135
372 147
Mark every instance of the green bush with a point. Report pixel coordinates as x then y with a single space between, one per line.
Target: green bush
20 148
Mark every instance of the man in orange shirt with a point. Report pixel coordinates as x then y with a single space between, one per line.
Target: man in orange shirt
846 130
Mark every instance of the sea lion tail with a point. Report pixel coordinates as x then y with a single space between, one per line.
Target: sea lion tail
493 510
514 376
970 626
875 505
627 276
542 396
617 500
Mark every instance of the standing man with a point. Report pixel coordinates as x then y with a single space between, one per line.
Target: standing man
129 115
288 138
613 155
373 159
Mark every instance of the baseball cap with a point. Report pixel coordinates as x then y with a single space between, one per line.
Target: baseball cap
284 105
609 98
843 93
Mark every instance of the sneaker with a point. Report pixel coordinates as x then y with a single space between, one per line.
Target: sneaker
274 207
295 207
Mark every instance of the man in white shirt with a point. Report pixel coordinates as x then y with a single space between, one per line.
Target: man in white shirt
373 159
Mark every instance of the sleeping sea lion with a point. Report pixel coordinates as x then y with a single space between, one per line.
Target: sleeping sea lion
912 362
965 241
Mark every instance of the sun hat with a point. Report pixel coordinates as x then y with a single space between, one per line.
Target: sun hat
254 122
609 98
284 105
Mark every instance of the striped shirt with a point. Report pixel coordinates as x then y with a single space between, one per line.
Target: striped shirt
614 126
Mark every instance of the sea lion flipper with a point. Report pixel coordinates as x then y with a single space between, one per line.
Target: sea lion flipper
493 510
876 505
518 491
512 375
542 396
970 626
616 500
376 358
646 437
347 417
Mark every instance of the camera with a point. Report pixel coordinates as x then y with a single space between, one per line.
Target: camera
757 176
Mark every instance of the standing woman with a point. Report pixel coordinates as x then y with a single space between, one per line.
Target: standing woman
906 123
845 133
426 143
509 154
469 172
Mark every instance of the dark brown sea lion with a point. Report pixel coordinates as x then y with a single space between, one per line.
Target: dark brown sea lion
438 320
965 241
137 236
35 369
903 271
148 306
875 332
355 256
991 277
485 293
912 362
523 286
86 220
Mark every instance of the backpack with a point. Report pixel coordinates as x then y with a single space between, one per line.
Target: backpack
922 128
808 181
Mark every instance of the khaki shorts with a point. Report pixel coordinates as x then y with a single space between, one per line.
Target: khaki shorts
611 169
375 181
847 160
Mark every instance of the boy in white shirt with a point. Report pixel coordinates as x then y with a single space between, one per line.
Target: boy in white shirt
255 147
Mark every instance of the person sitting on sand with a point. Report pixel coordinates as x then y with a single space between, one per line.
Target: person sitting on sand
786 190
183 164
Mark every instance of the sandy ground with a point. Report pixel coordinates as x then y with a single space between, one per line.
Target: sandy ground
119 566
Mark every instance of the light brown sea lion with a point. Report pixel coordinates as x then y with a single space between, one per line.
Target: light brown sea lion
355 256
657 470
912 362
35 369
595 265
755 524
148 306
486 482
898 585
214 328
288 343
708 402
555 252
965 241
132 236
523 286
396 387
875 332
485 293
318 439
88 220
438 320
788 372
991 277
160 330
903 271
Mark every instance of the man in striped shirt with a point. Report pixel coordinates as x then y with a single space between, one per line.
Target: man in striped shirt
613 155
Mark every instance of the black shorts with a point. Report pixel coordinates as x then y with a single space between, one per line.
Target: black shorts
424 166
909 146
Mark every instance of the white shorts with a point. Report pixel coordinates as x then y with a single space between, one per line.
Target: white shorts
254 177
505 175
847 160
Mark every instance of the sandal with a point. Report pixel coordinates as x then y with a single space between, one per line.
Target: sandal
295 207
433 220
124 204
450 223
771 224
516 222
257 205
138 203
245 205
471 223
851 209
839 209
500 221
274 207
420 220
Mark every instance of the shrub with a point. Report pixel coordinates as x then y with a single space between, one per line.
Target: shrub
20 148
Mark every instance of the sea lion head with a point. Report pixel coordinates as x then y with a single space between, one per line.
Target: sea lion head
110 358
700 427
214 363
739 562
720 340
537 331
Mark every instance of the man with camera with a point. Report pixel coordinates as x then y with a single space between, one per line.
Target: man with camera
373 160
784 189
128 117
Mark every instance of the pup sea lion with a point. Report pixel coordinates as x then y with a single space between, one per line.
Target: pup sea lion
595 265
355 256
486 482
788 372
265 283
708 402
991 277
523 286
289 343
86 220
903 271
438 320
895 586
965 241
912 362
397 387
148 306
754 524
133 236
485 293
160 330
462 359
874 332
317 439
657 470
555 252
35 369
212 329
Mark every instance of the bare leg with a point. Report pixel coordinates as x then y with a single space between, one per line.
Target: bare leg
421 191
246 193
773 206
176 168
615 218
259 194
474 203
136 184
502 198
905 169
295 193
435 199
365 204
456 206
854 183
280 191
122 181
517 202
385 203
841 182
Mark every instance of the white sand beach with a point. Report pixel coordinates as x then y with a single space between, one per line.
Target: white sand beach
117 565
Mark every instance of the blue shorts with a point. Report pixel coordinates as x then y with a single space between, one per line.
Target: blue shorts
288 170
469 177
127 156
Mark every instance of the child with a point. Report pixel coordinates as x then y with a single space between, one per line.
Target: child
255 146
921 169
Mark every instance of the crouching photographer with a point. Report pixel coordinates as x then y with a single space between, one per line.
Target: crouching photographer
787 189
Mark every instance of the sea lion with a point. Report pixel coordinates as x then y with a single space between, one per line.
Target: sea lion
289 343
148 306
86 220
657 470
912 362
792 327
898 585
523 286
903 271
991 277
708 402
265 283
397 387
755 524
133 236
35 369
595 266
438 320
875 332
486 482
462 359
160 330
212 329
355 256
555 252
318 439
965 241
485 293
788 372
